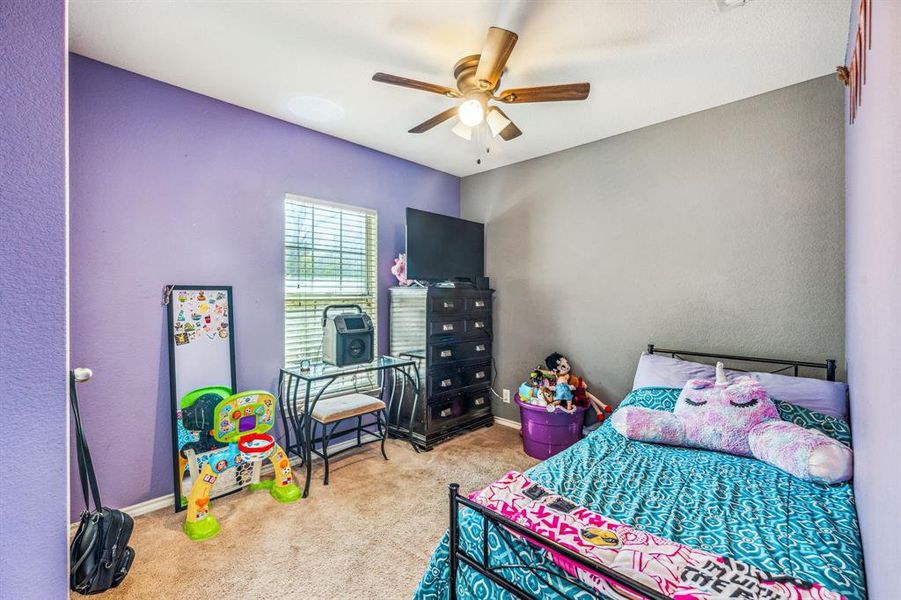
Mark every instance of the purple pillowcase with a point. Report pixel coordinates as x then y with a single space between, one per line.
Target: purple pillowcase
826 397
655 370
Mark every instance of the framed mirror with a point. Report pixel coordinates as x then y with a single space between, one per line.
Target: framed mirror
201 371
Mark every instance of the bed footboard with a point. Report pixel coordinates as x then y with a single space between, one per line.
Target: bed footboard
483 566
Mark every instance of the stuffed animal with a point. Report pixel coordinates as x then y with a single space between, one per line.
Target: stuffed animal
581 397
738 417
399 269
563 393
533 390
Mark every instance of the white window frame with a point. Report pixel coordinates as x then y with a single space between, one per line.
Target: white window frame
369 300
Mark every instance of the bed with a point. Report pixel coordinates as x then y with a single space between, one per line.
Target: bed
731 506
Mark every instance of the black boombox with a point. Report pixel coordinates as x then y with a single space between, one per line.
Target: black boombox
347 338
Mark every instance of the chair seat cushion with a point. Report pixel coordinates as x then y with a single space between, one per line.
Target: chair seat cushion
334 409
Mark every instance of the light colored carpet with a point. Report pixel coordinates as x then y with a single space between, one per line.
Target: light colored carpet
368 534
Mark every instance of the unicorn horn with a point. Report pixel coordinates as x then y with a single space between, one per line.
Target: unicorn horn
721 374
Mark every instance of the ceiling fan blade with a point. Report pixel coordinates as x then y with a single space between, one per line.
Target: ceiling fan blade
416 85
436 120
509 131
548 93
498 46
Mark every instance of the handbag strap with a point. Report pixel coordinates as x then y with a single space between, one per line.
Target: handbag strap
85 465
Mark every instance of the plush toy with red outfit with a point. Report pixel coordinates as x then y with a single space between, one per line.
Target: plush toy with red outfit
581 396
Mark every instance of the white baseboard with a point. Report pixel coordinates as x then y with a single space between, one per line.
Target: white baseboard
168 501
507 422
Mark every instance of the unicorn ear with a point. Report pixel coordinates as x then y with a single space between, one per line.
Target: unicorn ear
721 374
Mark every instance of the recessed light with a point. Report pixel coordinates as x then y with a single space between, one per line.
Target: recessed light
315 108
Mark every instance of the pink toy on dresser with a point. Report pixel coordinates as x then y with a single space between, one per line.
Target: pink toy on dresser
738 417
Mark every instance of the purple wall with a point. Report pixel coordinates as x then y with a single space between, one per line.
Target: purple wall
873 290
168 186
33 501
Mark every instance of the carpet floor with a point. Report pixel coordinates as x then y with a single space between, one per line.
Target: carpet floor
368 534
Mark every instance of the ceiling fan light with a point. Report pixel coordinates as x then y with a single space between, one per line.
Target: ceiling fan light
471 112
496 122
463 130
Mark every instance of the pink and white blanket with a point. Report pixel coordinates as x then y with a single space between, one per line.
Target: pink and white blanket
675 570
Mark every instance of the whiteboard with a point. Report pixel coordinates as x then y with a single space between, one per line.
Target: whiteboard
201 354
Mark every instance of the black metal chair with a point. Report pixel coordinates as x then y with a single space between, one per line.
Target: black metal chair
337 409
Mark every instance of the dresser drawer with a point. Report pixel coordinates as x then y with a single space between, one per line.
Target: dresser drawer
478 325
446 305
443 353
443 381
476 375
478 305
459 408
479 402
448 327
446 412
475 349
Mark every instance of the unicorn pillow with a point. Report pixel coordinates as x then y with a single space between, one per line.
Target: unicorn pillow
738 417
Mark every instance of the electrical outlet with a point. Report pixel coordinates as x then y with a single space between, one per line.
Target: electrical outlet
507 396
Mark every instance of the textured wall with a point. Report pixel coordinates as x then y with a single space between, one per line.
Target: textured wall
168 186
873 272
721 230
33 300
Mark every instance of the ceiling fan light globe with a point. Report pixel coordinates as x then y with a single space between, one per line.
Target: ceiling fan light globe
496 122
463 130
471 112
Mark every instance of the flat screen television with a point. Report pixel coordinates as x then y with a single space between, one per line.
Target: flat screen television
441 248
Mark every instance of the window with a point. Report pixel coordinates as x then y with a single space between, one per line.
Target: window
330 258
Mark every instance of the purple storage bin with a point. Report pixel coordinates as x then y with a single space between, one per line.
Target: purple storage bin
544 433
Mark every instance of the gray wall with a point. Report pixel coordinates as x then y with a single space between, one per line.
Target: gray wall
722 231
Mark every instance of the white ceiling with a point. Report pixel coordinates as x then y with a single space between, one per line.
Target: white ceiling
647 60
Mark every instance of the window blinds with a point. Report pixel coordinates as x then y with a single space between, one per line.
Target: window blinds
330 258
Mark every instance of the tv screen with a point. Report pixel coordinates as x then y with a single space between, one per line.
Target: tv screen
443 248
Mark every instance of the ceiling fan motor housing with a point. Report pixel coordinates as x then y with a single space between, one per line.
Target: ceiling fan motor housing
465 74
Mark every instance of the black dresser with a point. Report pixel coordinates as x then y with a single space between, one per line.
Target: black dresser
449 330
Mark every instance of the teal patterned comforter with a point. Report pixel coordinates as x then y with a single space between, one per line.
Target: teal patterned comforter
729 505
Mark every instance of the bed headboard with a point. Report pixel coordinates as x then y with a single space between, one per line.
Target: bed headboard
777 365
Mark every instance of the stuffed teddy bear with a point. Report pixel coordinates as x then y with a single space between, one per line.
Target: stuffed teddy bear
738 417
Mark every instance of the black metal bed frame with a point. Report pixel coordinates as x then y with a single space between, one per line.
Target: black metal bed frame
490 519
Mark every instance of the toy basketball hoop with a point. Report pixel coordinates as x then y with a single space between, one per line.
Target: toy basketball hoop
256 446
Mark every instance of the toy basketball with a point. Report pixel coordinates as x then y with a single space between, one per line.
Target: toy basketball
240 421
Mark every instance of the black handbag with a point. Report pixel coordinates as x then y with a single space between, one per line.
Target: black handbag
99 556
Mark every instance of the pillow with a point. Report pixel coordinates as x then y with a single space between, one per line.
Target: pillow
825 397
738 417
655 370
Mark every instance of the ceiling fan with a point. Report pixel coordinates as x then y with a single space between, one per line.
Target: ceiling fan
478 78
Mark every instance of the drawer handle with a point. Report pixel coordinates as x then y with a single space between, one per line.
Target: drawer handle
446 354
479 401
480 304
480 348
448 305
479 325
446 382
447 327
480 375
445 413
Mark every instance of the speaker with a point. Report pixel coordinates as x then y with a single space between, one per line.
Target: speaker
347 339
353 349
